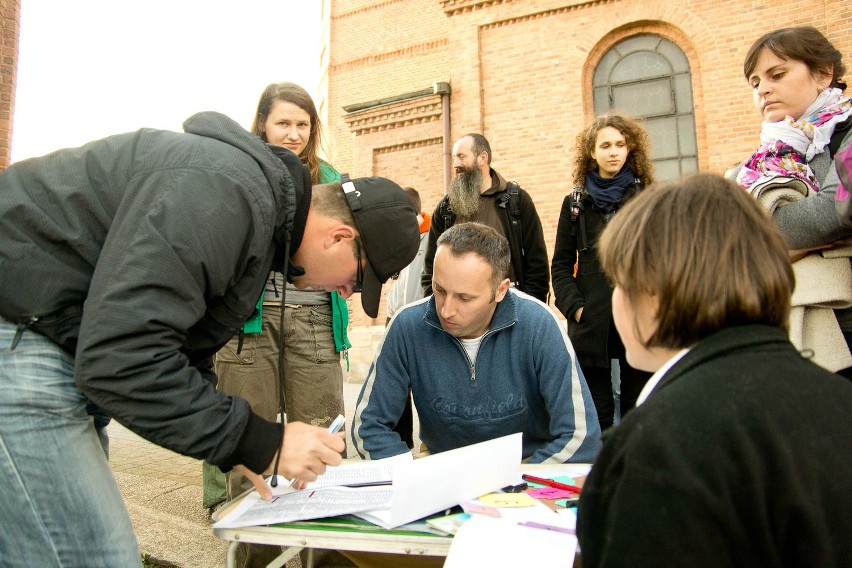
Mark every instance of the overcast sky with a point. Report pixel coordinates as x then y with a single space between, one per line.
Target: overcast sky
91 68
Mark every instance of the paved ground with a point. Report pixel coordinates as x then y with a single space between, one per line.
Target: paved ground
162 491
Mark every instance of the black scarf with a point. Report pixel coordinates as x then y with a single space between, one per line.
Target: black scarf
607 193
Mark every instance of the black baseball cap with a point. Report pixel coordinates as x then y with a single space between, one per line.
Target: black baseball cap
389 232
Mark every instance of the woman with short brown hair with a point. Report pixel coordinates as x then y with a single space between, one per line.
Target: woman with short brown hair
737 453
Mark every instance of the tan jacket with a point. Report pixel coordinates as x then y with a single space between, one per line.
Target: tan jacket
823 284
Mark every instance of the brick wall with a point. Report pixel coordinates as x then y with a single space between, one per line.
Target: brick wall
380 49
521 74
10 10
414 158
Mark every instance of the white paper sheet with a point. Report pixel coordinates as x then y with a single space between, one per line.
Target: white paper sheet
440 481
538 513
492 542
361 472
305 504
325 497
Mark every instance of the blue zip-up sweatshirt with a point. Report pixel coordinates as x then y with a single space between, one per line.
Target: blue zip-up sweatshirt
525 379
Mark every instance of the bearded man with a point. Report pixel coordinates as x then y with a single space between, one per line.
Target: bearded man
478 193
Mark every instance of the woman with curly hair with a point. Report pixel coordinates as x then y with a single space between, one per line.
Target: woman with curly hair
612 163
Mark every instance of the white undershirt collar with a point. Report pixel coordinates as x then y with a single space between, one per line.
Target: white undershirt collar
658 376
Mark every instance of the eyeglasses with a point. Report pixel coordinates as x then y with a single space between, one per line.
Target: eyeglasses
359 278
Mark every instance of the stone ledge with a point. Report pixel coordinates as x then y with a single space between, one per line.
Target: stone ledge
395 115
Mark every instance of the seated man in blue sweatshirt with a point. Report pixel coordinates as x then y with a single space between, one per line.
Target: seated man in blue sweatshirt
482 361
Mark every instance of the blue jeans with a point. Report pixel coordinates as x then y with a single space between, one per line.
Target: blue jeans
59 504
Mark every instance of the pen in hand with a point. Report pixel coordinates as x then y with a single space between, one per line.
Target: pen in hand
333 428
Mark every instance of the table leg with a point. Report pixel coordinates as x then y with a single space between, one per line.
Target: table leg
285 556
231 558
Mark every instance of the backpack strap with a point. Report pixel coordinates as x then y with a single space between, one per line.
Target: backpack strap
576 204
445 211
578 229
514 193
510 201
841 129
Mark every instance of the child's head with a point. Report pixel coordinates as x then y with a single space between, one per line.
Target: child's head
704 254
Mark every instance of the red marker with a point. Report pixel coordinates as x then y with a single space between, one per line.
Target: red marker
551 483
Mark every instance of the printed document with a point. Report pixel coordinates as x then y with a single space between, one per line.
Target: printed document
341 490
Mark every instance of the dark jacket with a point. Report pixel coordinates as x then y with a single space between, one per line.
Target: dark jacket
578 240
741 456
143 253
529 253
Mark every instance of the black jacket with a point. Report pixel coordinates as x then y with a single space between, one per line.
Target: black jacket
529 253
741 456
143 253
578 240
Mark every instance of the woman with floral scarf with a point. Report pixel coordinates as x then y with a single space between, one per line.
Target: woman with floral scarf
611 164
796 77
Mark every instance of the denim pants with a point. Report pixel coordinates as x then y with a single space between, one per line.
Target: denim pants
59 504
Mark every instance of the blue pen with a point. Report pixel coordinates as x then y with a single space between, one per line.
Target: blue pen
334 428
337 424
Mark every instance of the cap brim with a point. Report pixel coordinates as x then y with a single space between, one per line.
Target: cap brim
371 292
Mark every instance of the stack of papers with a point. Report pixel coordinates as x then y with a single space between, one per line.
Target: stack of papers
341 490
418 488
360 474
305 504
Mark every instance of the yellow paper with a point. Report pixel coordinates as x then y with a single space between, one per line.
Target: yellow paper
507 500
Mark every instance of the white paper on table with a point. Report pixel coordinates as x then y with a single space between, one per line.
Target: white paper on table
570 515
305 504
361 472
497 542
538 513
299 505
440 481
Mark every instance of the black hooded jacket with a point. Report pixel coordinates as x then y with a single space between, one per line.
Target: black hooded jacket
142 254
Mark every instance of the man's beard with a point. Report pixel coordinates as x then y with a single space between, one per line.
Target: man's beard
464 193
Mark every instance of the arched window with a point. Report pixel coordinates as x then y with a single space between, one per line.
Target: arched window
647 76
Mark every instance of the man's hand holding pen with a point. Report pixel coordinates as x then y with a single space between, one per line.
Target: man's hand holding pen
306 451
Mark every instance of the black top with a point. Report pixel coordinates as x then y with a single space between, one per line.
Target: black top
741 456
143 253
576 241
